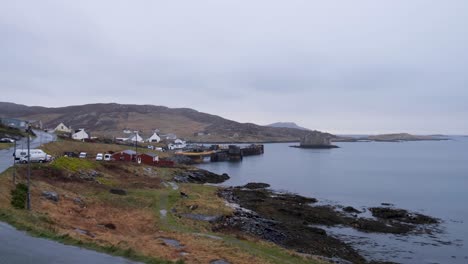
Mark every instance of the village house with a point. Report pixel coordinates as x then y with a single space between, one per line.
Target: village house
135 137
80 134
63 128
126 155
148 158
36 124
178 144
154 138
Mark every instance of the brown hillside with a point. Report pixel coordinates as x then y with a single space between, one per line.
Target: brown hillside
110 119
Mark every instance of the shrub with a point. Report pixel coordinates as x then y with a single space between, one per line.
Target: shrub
19 195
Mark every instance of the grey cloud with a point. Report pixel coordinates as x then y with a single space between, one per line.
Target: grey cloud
319 64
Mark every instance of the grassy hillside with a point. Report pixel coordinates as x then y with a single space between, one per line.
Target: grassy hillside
111 119
131 225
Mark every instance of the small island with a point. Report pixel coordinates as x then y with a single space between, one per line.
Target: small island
316 140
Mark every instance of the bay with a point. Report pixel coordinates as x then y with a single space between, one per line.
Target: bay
430 177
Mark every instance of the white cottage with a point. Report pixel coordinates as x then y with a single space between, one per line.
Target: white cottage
154 138
62 128
80 134
134 138
178 144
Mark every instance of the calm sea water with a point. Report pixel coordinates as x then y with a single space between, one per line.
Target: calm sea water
430 177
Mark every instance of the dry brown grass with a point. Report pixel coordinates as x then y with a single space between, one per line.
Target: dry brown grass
136 215
136 228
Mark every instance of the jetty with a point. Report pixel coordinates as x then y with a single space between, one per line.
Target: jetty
217 153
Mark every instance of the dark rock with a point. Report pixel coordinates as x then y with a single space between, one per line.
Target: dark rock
292 221
118 191
181 159
110 226
369 225
87 175
350 209
200 176
172 243
53 196
184 195
388 213
283 219
401 215
256 185
387 204
78 201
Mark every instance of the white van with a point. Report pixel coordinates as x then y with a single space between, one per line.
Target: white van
107 157
37 155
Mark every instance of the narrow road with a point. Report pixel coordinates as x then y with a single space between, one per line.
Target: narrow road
17 247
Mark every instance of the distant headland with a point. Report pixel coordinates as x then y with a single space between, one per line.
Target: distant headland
396 137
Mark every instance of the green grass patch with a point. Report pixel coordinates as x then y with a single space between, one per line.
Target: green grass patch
19 195
107 181
72 164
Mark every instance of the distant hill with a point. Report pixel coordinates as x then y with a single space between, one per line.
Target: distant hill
111 119
396 137
287 125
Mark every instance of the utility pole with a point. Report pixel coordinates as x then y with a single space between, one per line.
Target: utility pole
136 144
28 205
14 164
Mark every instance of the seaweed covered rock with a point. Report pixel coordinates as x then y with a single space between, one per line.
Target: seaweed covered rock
200 176
401 215
256 185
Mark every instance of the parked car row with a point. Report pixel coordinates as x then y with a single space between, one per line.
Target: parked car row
84 155
105 157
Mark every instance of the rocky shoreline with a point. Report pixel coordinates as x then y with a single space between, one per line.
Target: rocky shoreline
294 221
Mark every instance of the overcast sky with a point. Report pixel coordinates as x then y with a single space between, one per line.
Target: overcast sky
341 66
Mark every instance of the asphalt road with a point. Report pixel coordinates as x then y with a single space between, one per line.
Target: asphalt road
17 247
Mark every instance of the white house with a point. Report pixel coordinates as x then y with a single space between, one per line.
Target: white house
178 144
179 141
62 128
134 138
154 138
80 134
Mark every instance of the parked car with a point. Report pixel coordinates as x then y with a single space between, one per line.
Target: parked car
150 147
7 140
70 154
107 157
82 155
36 155
99 156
